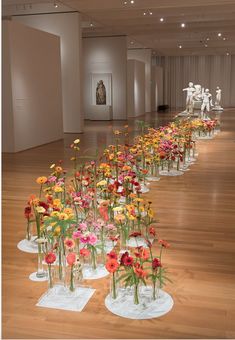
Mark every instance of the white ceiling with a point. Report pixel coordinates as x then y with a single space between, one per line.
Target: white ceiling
203 18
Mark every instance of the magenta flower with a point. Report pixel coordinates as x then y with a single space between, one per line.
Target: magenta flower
93 239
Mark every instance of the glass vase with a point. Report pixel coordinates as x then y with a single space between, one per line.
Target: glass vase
40 271
136 294
113 286
155 286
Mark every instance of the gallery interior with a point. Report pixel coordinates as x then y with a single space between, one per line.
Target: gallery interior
118 169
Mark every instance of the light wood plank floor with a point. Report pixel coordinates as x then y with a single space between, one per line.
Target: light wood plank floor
197 216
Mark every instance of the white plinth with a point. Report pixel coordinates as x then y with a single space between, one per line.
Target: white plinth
153 179
100 112
60 297
183 114
147 308
172 172
94 274
33 277
217 108
28 246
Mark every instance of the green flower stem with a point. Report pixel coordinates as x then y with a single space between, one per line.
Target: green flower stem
136 296
114 288
50 276
72 288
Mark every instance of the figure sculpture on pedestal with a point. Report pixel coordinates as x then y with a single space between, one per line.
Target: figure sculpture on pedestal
218 100
189 99
197 98
206 103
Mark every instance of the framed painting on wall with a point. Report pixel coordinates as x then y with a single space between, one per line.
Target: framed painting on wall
101 84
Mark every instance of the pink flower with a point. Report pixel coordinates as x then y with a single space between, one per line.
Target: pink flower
69 243
85 239
83 226
93 239
110 226
76 234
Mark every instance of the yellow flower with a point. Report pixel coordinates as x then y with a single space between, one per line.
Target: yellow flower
72 158
120 218
68 211
101 183
41 180
150 213
118 209
56 202
131 217
57 230
77 141
55 214
63 217
57 188
40 210
117 132
52 166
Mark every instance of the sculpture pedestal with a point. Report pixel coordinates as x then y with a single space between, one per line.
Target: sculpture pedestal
217 108
100 112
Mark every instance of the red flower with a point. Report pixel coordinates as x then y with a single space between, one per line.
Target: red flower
128 261
140 272
164 243
84 252
111 265
156 263
27 212
135 234
43 204
112 255
126 254
152 231
71 259
50 258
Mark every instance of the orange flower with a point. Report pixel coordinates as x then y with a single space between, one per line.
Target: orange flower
140 272
111 265
41 180
164 243
69 243
58 169
71 259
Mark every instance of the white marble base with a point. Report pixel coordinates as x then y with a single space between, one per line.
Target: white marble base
147 308
153 179
217 108
33 277
94 274
172 172
60 297
28 246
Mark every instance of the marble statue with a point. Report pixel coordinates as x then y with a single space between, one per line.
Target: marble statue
100 93
206 103
189 99
197 95
218 100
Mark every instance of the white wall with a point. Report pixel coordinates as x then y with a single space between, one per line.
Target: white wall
106 55
144 55
67 27
136 88
32 110
157 87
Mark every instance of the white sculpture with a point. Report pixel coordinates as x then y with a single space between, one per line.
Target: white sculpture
206 103
198 93
218 100
189 99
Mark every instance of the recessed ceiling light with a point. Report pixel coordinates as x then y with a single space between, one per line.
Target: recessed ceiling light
227 53
91 24
132 42
180 46
224 38
132 2
182 25
219 34
55 5
161 19
207 39
150 13
144 13
206 45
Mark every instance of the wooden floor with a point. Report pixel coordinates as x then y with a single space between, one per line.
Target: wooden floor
197 216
